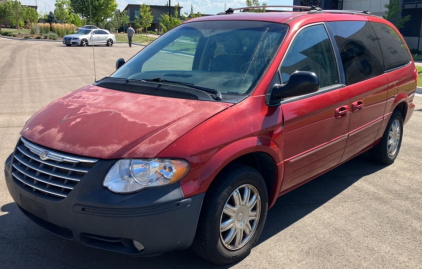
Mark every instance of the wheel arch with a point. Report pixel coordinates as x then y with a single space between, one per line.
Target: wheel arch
254 152
400 104
402 108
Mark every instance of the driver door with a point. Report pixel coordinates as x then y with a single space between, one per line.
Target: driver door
95 37
316 124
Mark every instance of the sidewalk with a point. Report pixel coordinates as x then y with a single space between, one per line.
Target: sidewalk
418 63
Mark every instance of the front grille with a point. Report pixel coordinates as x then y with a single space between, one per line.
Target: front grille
54 176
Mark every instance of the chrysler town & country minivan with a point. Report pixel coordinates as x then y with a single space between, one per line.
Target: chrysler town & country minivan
191 141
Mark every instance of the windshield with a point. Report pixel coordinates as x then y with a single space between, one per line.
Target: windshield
229 56
83 32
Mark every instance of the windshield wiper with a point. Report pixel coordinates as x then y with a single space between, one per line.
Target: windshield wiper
217 93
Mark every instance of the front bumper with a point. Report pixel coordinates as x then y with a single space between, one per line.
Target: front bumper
72 42
161 219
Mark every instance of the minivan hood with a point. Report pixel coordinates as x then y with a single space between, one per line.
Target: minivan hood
108 124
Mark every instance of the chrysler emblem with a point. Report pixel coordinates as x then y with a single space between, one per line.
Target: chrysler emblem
44 155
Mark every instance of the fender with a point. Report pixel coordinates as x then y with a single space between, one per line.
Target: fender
229 153
401 97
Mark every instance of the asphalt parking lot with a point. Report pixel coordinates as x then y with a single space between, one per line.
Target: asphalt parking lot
359 215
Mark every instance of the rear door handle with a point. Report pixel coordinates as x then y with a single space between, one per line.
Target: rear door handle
357 105
342 111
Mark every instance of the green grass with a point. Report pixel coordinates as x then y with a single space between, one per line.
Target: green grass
419 68
138 38
21 31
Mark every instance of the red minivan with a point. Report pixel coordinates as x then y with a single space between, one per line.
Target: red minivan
191 141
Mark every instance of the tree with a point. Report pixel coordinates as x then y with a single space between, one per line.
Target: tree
99 11
16 13
63 10
75 19
169 22
115 22
30 15
42 15
393 14
191 15
4 12
52 18
255 3
145 18
124 18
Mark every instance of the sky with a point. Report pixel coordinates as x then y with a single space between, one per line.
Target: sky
203 6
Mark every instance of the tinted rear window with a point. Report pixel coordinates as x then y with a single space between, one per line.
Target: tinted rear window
393 48
359 49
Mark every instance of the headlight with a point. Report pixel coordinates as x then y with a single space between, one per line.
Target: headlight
133 175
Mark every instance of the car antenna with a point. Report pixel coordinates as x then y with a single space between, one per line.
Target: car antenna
92 42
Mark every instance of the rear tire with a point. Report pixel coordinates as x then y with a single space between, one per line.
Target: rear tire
388 148
68 45
232 220
109 43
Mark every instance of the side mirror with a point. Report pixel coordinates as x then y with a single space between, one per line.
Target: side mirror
300 83
120 63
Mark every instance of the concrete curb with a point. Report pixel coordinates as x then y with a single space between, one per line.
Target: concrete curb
132 44
61 41
22 39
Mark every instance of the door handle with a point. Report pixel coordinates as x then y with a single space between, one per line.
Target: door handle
342 111
357 105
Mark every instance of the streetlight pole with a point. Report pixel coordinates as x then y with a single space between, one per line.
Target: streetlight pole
169 7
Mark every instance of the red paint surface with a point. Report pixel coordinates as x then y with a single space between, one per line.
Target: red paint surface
104 123
108 124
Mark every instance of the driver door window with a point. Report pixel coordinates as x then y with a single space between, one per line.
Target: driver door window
312 51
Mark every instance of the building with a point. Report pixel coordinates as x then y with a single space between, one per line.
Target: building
412 31
33 7
157 11
324 4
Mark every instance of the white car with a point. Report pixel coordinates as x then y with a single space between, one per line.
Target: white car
85 37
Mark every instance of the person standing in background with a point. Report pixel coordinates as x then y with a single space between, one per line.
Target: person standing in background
130 33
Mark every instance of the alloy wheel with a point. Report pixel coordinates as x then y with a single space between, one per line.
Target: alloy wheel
240 217
393 141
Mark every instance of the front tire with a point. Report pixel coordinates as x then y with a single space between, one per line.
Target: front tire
84 43
233 215
388 148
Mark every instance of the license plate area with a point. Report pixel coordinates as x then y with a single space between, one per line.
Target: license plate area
34 208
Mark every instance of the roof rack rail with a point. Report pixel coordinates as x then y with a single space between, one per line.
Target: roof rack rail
367 12
311 9
231 10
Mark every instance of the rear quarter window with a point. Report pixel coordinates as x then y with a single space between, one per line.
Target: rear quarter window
359 50
393 48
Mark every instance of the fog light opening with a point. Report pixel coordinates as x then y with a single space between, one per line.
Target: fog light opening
138 245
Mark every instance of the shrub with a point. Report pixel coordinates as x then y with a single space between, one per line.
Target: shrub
14 35
43 28
38 37
63 29
415 51
9 33
27 37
